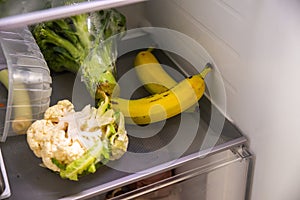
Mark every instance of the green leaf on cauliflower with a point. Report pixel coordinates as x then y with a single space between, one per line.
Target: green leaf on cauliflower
87 162
59 164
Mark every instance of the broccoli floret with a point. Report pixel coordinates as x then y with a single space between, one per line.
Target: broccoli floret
81 42
47 38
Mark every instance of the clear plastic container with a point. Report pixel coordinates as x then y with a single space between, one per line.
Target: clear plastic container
29 82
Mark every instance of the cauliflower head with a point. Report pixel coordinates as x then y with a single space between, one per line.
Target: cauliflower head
72 142
49 139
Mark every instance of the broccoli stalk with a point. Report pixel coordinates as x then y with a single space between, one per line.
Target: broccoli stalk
97 71
80 23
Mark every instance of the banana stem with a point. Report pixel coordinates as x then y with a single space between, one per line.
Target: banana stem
150 49
206 70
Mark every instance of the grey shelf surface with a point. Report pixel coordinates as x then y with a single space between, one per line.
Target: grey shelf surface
175 143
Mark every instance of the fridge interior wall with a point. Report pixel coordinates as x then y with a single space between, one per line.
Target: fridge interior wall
255 46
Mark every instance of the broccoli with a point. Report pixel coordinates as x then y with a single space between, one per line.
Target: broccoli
80 44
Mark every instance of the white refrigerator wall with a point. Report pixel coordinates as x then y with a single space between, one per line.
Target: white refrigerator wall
256 46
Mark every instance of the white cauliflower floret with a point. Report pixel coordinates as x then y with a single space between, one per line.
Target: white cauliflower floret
48 140
36 134
59 110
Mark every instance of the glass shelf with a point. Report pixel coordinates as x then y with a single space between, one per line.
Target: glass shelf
16 14
146 156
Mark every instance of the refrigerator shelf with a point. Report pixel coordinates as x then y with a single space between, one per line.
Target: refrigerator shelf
18 14
29 180
152 149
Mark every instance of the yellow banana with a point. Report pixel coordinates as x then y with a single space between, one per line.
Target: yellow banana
161 106
151 74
